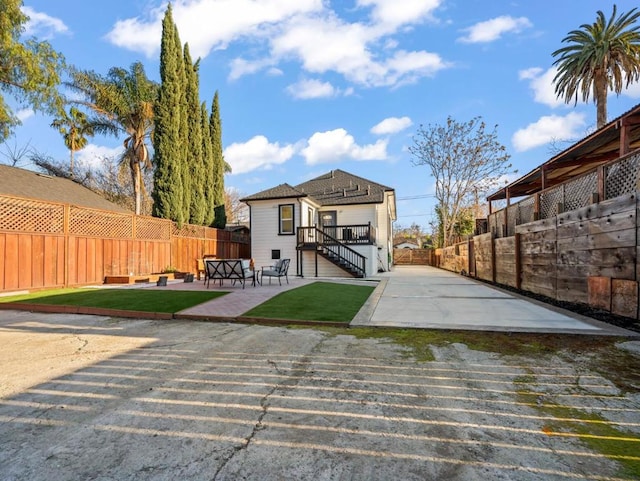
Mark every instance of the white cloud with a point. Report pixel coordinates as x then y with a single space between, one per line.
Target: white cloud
24 114
241 67
93 155
313 89
541 82
548 128
256 153
334 145
282 31
391 125
633 91
490 30
398 12
233 20
43 25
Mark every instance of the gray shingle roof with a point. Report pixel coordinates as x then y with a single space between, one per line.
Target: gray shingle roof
333 188
282 191
32 185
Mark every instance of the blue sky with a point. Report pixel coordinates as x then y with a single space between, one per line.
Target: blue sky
307 86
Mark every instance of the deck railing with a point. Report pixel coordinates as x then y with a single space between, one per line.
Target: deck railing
353 234
619 177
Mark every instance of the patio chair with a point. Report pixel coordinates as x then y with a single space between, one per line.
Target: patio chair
278 270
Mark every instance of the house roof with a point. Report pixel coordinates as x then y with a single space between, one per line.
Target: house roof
18 182
600 147
282 191
333 188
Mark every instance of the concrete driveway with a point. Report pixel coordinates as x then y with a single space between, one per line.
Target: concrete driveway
426 297
94 398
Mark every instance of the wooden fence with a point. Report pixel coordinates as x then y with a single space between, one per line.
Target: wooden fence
588 255
418 257
44 244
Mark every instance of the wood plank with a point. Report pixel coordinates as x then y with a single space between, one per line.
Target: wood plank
38 261
3 257
599 292
25 253
537 226
625 238
624 298
602 209
610 223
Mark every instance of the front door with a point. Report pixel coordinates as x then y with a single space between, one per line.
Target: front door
328 222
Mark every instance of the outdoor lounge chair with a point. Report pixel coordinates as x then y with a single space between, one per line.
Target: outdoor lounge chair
279 270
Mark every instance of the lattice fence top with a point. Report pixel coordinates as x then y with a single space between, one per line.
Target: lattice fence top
29 215
153 229
579 192
527 210
549 200
98 223
622 177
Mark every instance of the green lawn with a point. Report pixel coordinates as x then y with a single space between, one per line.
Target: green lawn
128 299
319 301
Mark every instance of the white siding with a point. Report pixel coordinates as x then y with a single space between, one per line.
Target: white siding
265 237
328 269
325 268
353 214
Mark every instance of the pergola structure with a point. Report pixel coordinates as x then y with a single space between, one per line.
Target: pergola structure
614 140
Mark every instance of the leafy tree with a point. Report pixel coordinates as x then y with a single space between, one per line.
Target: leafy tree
463 158
29 70
236 211
599 57
74 127
195 160
123 104
464 226
218 164
168 193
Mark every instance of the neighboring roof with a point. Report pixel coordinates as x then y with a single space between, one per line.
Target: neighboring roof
333 188
18 182
598 148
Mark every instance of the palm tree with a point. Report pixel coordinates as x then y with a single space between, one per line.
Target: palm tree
123 104
601 56
74 128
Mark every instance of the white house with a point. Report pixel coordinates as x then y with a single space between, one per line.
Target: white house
336 225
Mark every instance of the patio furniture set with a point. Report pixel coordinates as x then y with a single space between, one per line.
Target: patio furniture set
242 270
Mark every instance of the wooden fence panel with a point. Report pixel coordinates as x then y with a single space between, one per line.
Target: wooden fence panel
12 269
505 263
538 255
483 250
416 257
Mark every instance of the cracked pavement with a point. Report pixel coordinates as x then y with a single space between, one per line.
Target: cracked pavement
93 398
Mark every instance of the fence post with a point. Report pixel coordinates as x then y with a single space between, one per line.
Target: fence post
601 183
65 228
493 258
518 262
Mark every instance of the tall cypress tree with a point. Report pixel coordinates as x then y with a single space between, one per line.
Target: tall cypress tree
194 158
168 193
208 174
218 164
183 119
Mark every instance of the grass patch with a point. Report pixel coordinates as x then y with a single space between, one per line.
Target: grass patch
319 301
126 299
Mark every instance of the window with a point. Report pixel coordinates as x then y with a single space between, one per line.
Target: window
286 219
